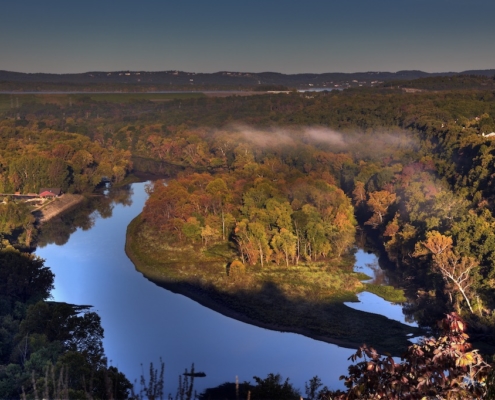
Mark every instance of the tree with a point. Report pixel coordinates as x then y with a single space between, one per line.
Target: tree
244 242
379 202
24 277
343 232
284 242
448 207
75 327
319 233
272 388
455 269
359 193
217 188
311 388
192 229
154 388
17 215
435 243
236 269
259 237
208 234
435 368
279 214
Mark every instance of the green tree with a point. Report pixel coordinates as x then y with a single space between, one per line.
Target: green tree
252 241
284 242
192 229
260 240
23 277
272 388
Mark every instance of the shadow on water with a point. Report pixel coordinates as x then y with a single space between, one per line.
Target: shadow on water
332 322
423 306
142 321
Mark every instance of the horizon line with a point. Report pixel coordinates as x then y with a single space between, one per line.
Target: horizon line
243 72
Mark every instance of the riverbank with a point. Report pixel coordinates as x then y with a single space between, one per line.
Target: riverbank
57 206
276 299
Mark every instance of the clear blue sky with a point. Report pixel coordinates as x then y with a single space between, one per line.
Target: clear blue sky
288 36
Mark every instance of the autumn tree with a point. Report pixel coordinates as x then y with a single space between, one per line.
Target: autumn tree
379 202
359 193
343 233
456 270
209 234
217 188
446 367
253 241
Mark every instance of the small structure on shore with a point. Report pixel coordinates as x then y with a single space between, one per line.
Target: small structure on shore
50 192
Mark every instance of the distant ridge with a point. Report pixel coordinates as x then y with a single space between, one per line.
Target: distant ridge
227 78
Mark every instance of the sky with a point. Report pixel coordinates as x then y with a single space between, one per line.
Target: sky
288 36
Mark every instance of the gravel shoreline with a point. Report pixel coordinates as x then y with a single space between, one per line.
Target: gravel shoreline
57 206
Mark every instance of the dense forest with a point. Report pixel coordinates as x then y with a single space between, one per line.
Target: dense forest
458 82
415 165
49 349
34 156
154 81
274 187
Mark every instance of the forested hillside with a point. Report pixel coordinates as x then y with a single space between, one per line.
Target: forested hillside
415 164
35 156
139 81
437 170
274 187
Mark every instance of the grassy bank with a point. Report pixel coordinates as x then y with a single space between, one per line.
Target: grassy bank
306 299
386 292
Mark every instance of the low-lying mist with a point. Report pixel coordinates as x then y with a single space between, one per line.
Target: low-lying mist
362 145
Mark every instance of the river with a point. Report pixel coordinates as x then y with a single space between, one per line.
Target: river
144 322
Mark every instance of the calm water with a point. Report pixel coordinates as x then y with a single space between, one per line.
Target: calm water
144 322
369 302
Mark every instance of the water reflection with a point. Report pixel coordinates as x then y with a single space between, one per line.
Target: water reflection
59 229
368 264
372 303
144 322
369 302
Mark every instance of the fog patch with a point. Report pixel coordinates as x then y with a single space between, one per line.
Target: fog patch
364 144
271 137
325 135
